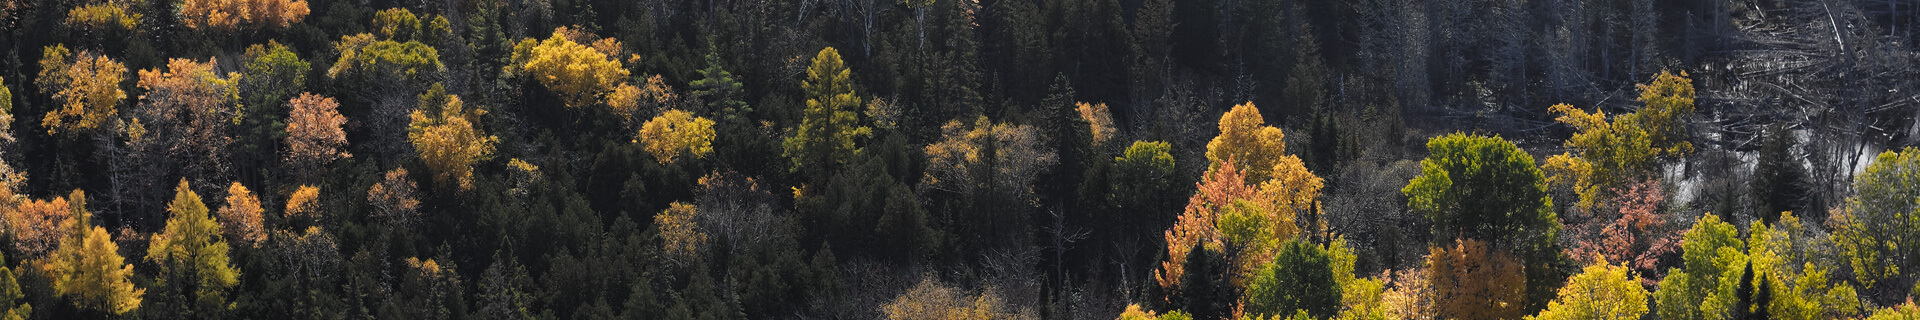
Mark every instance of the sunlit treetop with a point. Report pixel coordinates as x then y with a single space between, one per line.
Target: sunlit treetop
236 14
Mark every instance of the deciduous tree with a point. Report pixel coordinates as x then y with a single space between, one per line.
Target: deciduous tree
829 127
87 269
1246 140
1600 291
192 256
240 218
677 132
1878 229
314 136
1474 280
234 14
578 73
684 241
85 88
445 135
1301 278
35 226
934 300
1099 121
1482 187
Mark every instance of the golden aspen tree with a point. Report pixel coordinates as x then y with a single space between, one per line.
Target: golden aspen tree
240 218
1474 280
104 14
675 132
87 269
1099 121
1248 142
444 133
578 73
683 238
1600 291
235 14
85 89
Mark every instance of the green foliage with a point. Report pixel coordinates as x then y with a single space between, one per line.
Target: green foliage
1779 182
829 127
1725 277
192 254
1300 279
1876 228
719 90
1483 187
10 294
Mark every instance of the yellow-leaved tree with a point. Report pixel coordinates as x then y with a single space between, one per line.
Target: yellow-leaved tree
240 217
1248 142
87 269
580 74
1600 291
444 134
85 89
682 236
1607 154
828 128
192 256
228 15
675 132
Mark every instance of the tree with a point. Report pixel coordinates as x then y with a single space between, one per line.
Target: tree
1709 250
192 256
444 134
240 217
719 90
1245 140
303 204
314 137
1300 279
934 300
1600 291
87 268
384 62
6 112
683 240
675 132
35 226
192 108
104 14
1876 228
393 200
1633 230
1268 209
828 128
1474 280
85 88
273 75
1099 121
1779 181
233 14
579 74
1483 187
1613 153
9 293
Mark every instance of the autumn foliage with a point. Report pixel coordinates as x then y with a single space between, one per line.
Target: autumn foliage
85 87
1474 280
580 73
233 14
240 218
445 134
677 132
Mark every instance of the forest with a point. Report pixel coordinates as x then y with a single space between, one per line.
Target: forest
959 159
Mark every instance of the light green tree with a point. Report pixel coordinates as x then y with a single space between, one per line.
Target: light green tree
87 268
830 125
192 255
1879 227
